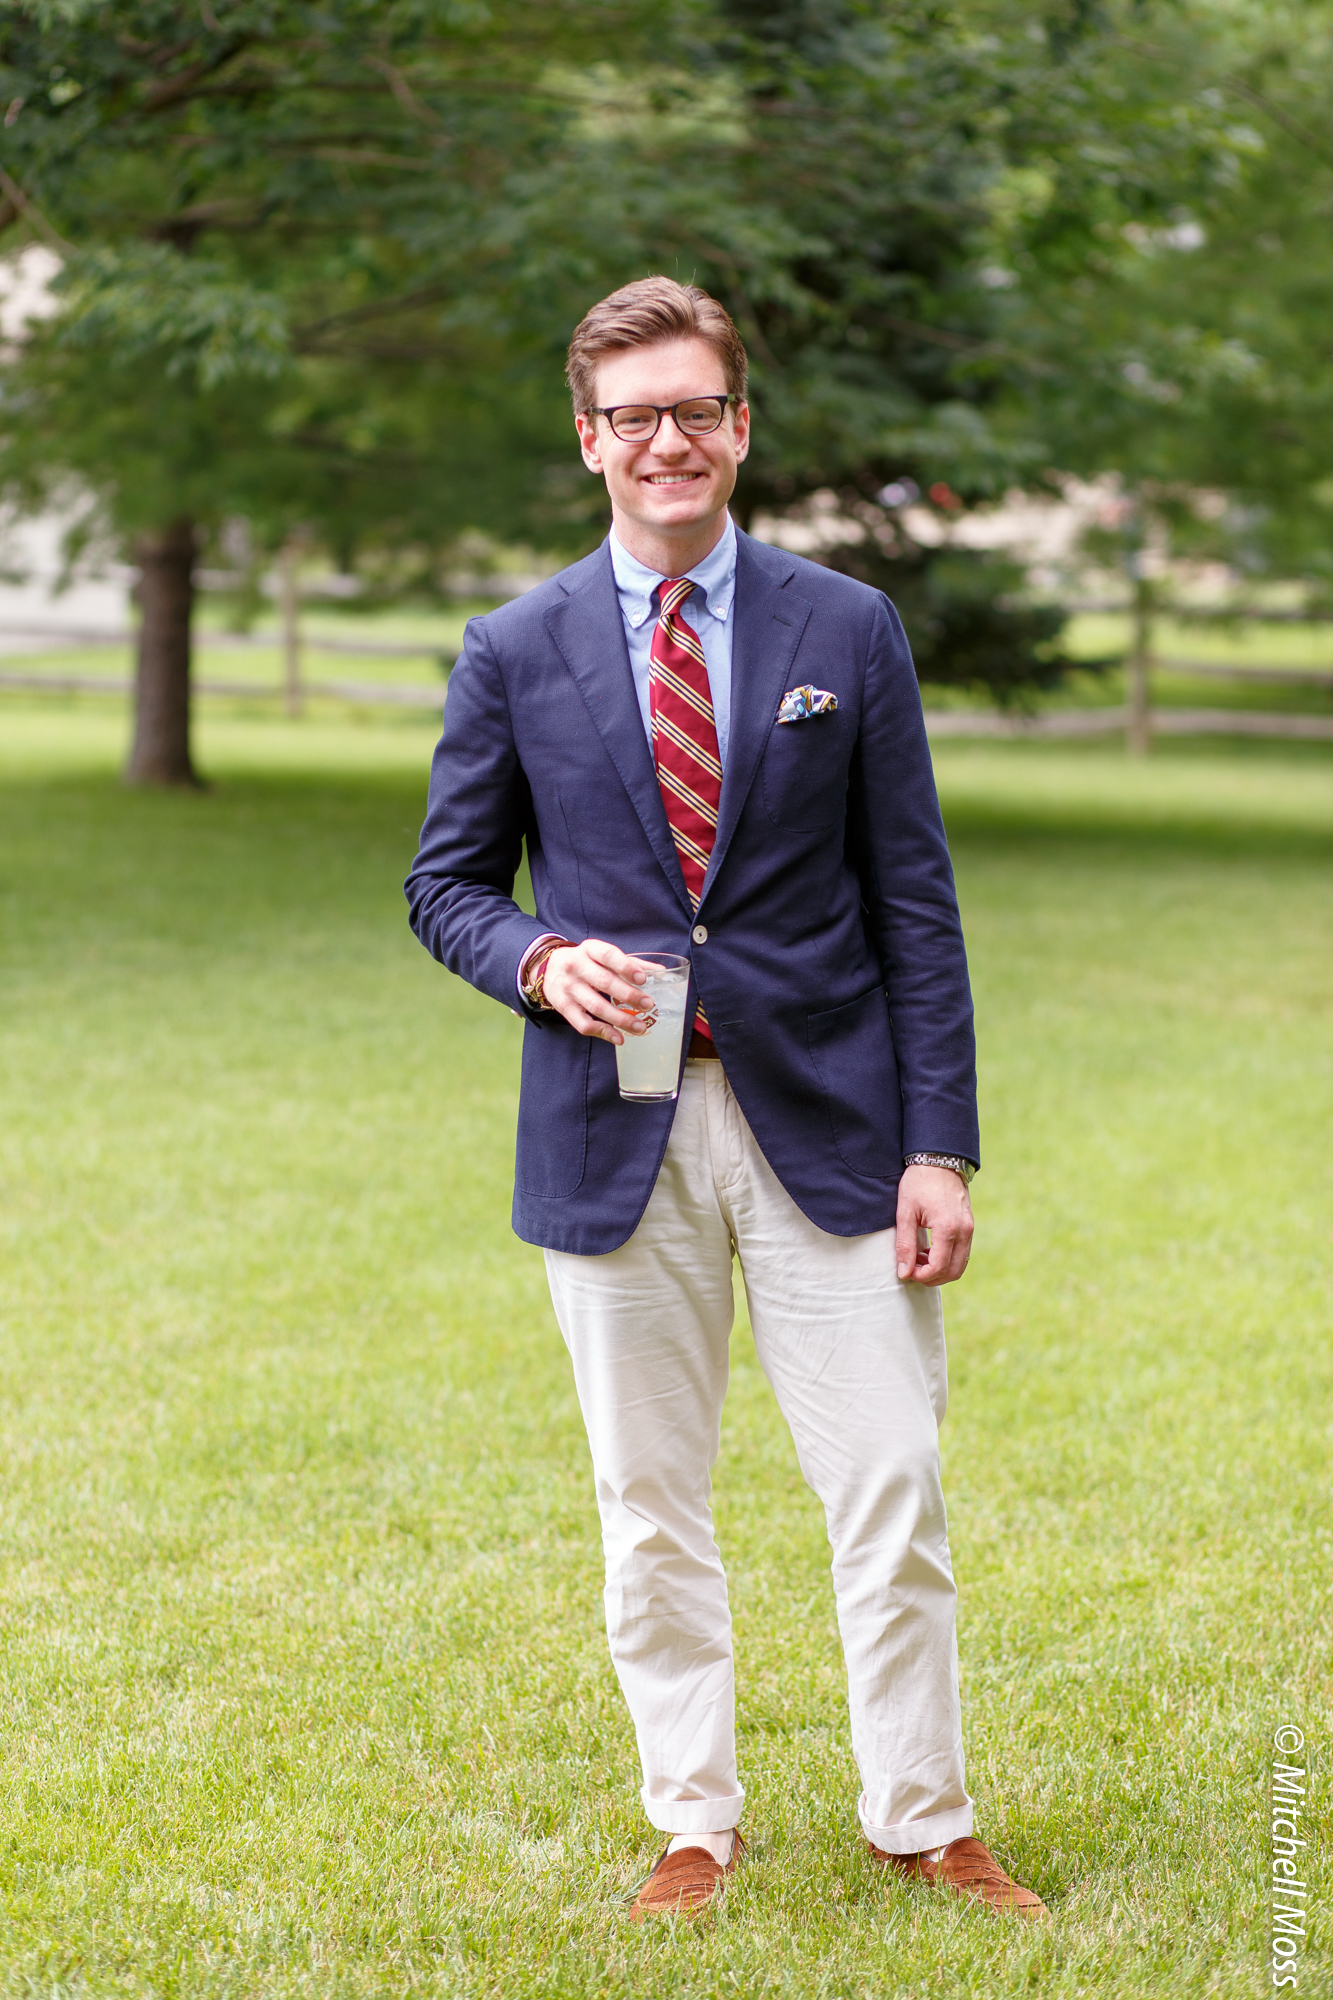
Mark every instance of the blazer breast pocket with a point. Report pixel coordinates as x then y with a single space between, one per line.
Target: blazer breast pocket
803 775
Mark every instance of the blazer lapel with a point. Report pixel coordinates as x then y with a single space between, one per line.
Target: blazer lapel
590 633
770 620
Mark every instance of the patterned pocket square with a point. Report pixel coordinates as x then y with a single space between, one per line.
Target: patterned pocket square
799 704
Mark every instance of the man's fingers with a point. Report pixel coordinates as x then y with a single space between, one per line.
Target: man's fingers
592 1025
589 1010
614 960
951 1246
938 1268
595 1000
960 1251
608 970
906 1244
623 990
931 1258
582 988
592 1017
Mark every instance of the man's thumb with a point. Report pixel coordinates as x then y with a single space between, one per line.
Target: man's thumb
906 1242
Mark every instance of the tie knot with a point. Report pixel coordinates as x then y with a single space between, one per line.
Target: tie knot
673 594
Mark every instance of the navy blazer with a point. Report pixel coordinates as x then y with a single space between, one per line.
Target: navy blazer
830 956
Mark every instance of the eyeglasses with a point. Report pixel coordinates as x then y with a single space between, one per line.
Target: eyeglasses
696 417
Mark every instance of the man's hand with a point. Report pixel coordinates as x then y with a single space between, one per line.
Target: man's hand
588 984
933 1198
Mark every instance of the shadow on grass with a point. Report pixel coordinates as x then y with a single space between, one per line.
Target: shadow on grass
1124 832
1247 801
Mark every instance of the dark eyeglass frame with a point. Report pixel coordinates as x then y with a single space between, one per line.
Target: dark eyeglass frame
663 410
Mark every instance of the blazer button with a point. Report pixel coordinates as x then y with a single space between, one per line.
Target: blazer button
700 934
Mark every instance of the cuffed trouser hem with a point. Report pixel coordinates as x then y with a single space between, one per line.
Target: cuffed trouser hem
914 1836
694 1815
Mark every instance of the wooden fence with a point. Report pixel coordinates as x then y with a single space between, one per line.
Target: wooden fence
1139 719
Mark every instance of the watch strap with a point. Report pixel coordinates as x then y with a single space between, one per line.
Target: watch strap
955 1161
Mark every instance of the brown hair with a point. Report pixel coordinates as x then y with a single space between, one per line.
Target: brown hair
638 315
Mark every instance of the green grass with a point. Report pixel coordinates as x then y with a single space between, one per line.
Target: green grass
306 1689
1239 644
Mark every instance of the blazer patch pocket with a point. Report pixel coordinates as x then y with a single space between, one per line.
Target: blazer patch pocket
852 1050
552 1112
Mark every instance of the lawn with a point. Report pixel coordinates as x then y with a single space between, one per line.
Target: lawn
306 1690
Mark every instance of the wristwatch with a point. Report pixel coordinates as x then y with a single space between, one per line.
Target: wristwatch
955 1160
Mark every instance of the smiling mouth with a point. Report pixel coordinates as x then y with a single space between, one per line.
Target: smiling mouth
671 478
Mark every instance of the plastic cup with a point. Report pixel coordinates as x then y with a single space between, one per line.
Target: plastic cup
648 1065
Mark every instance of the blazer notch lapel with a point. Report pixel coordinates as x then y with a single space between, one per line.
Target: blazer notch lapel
589 634
770 620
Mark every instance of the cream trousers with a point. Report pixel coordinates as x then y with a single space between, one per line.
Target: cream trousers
856 1361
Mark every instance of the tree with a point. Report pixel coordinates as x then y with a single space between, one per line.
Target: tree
889 200
1188 353
274 243
321 262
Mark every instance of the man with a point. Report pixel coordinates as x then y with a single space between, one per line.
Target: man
716 749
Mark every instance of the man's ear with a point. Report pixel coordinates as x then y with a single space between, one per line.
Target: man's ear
589 443
741 425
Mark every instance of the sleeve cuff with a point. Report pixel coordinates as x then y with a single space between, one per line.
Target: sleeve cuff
547 937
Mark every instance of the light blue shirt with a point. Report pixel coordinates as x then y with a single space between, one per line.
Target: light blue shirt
707 609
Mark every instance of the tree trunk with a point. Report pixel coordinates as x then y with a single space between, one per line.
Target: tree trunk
1139 733
161 752
290 597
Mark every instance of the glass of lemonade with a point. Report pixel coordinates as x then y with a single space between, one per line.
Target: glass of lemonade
649 1064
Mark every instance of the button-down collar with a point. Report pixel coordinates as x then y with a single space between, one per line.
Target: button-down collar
715 576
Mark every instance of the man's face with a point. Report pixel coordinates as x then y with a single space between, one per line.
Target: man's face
672 484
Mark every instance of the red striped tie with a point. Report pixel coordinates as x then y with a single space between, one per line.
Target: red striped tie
689 769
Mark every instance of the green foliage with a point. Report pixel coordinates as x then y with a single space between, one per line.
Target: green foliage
143 302
968 247
1188 352
296 222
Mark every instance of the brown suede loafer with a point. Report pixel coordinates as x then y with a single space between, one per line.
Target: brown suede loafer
683 1884
969 1870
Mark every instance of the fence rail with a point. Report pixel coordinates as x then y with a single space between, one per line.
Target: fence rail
62 636
1071 722
1123 607
366 694
1139 719
444 656
1256 674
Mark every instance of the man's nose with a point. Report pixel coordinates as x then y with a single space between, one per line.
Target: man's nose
670 441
